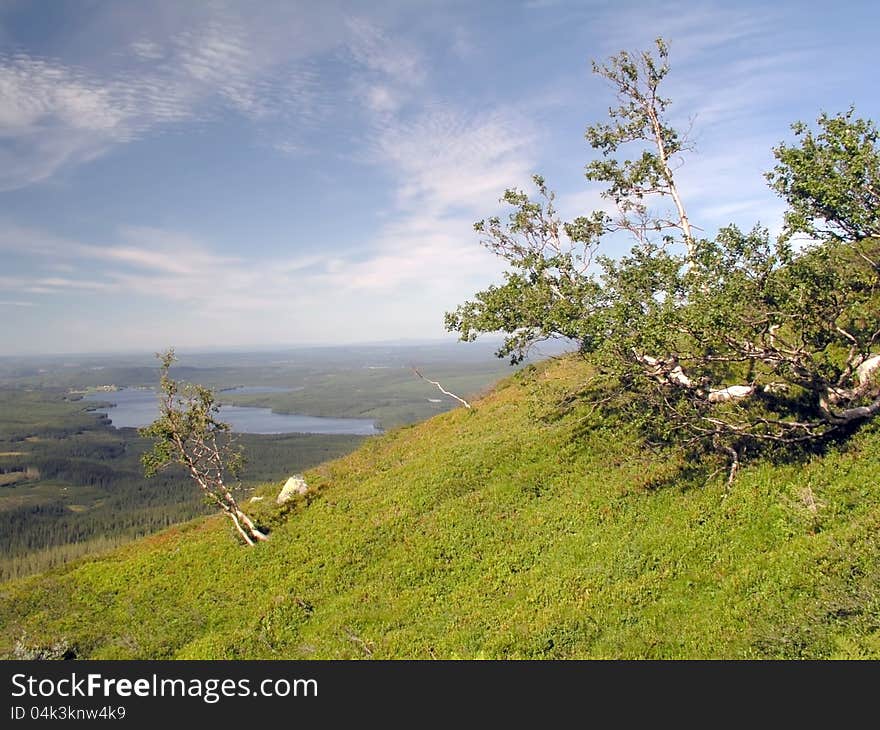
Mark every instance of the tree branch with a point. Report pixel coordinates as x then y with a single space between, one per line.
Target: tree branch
442 389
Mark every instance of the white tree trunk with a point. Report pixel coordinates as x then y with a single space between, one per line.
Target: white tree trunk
731 392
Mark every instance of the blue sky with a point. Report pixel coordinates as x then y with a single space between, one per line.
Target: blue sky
259 173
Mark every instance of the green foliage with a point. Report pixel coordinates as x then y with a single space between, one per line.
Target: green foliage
638 119
551 290
750 314
731 342
831 180
187 422
547 292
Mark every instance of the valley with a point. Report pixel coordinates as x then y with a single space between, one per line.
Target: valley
71 483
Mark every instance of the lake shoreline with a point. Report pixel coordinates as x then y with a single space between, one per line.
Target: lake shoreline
138 407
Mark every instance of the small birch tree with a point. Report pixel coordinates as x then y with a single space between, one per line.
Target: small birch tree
187 432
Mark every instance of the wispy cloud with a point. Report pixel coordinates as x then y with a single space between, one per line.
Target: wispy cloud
692 28
445 158
147 50
51 285
54 115
393 59
387 72
448 166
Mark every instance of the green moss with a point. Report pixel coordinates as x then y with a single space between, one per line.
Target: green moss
507 531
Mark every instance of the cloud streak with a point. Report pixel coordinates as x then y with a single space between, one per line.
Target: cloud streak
447 164
55 115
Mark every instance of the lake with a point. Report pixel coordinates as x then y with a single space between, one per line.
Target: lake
135 408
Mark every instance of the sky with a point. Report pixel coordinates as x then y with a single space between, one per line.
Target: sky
267 174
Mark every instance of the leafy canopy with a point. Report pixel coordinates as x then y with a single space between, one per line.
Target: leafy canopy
724 342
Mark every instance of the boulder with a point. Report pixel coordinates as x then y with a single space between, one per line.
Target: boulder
294 486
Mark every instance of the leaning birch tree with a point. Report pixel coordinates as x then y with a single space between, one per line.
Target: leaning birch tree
727 343
188 432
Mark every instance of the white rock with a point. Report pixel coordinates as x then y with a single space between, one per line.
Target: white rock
256 499
295 485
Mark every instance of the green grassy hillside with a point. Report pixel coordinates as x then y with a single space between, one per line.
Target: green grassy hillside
508 531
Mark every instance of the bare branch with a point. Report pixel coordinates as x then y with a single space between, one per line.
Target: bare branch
442 389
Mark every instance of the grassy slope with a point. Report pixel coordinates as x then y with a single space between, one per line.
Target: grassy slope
500 532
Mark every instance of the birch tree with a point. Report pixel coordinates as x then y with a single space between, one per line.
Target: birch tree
188 432
730 342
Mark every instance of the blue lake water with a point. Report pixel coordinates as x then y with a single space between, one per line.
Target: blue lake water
135 408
